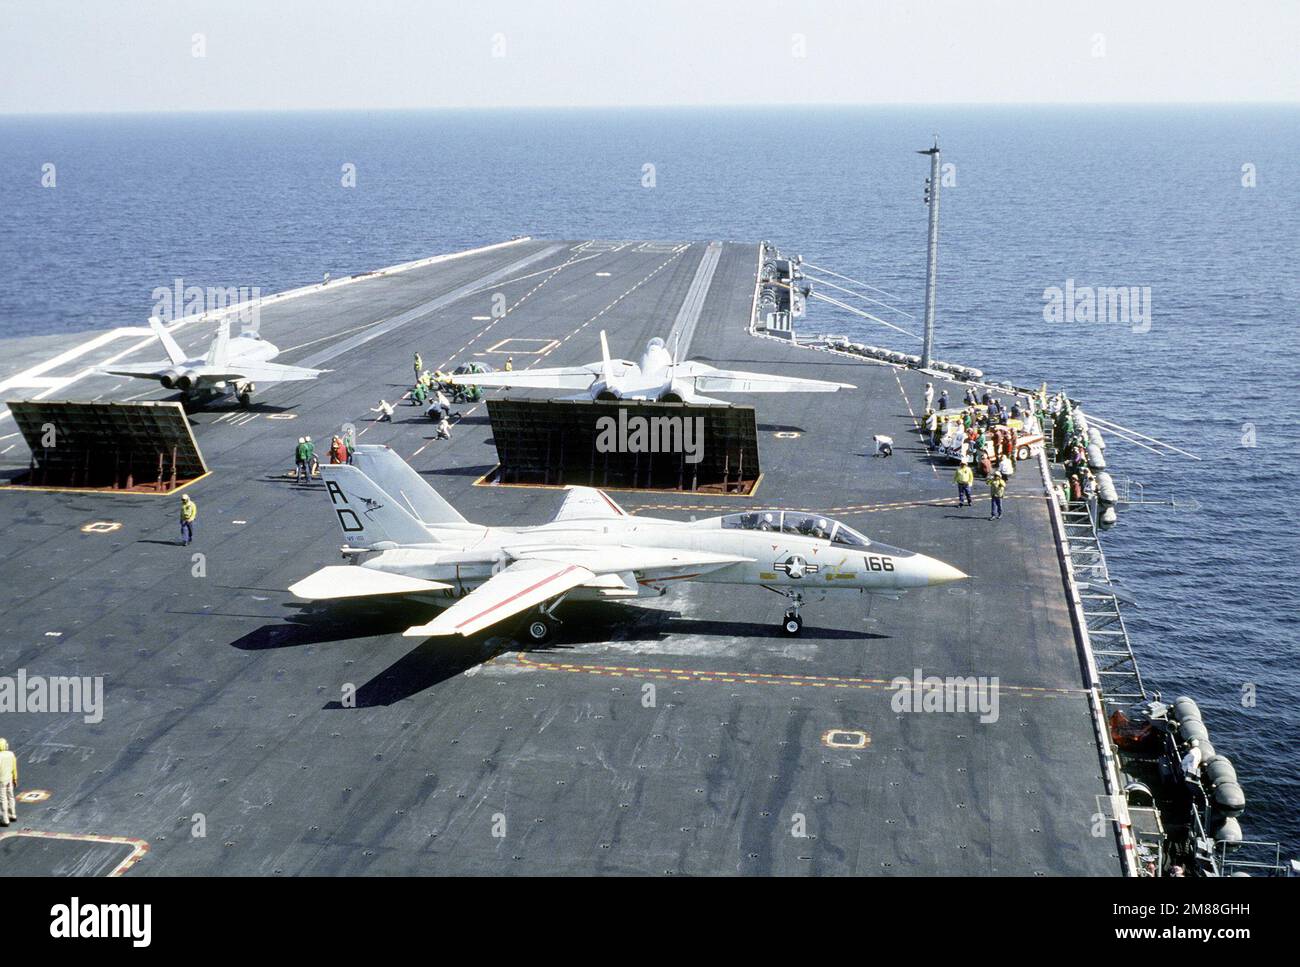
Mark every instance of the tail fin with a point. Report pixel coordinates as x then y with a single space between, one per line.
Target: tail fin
218 351
367 515
395 476
606 367
174 352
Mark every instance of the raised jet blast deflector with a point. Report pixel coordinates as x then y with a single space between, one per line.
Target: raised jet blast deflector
625 444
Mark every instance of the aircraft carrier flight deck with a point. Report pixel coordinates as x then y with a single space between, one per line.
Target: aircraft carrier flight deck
227 745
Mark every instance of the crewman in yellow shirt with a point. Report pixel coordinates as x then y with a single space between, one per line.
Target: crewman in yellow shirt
8 783
964 477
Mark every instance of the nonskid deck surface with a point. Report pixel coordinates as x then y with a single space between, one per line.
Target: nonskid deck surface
225 697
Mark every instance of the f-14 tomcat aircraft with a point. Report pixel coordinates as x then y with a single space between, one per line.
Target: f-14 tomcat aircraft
658 376
405 539
230 366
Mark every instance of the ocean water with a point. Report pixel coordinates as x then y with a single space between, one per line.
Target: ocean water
1146 197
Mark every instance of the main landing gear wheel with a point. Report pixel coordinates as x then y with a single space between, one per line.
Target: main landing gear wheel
538 629
792 624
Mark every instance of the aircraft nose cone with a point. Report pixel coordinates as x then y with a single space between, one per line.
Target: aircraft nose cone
937 572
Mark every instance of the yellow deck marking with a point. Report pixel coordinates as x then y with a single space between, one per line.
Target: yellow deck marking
546 346
102 492
138 846
829 511
758 678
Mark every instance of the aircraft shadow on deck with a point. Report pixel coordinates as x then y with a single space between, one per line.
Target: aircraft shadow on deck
474 472
253 407
433 661
321 624
221 408
438 659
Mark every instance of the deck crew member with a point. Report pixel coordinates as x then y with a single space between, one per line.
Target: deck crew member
338 452
964 477
313 462
189 510
929 395
997 487
385 411
444 429
8 783
884 445
419 365
510 364
943 400
300 460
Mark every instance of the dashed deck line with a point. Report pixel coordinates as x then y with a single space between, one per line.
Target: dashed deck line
732 677
829 511
916 423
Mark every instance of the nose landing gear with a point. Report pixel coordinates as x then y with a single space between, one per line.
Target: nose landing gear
792 622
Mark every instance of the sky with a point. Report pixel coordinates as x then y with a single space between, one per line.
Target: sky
64 56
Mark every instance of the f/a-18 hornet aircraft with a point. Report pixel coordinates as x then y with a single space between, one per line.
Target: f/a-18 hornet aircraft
230 366
405 539
659 376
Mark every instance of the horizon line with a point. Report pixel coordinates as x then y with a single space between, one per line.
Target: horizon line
739 105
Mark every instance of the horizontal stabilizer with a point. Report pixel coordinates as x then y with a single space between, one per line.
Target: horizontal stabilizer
710 380
350 581
153 370
267 372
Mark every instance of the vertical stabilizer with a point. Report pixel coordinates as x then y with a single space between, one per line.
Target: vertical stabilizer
606 367
366 514
219 351
174 352
396 477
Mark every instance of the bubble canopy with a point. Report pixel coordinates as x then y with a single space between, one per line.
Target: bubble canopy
796 522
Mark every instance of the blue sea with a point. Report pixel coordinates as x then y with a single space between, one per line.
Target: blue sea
1104 196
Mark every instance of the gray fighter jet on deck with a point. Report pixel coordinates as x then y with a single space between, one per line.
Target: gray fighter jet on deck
230 366
405 539
659 376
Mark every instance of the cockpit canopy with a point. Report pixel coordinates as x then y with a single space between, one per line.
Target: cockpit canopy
797 522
